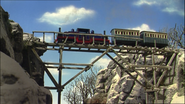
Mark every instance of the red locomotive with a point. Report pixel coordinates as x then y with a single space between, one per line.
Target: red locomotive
85 37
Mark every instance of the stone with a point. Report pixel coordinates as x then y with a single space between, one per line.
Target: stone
127 86
17 87
116 83
113 100
123 96
100 86
170 91
6 45
111 65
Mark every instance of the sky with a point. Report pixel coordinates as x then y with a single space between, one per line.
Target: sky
98 15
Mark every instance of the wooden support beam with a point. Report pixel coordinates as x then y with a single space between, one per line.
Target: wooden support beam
133 68
164 73
88 66
47 71
75 64
51 88
65 67
177 70
43 37
157 51
154 75
125 70
151 66
60 74
144 78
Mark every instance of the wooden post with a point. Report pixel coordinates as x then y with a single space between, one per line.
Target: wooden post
83 39
104 43
155 43
177 70
146 97
74 39
136 43
145 77
93 40
60 75
154 76
164 72
114 42
43 37
54 39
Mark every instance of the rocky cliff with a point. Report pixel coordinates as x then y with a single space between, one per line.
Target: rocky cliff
21 76
115 86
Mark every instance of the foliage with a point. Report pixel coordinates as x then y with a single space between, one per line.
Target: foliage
98 99
82 88
175 36
11 20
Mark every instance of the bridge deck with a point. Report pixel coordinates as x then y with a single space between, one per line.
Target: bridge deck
105 49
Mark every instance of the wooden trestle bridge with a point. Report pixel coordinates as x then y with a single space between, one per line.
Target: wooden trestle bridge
105 50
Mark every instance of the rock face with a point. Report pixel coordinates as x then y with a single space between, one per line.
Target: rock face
17 87
121 88
5 34
17 41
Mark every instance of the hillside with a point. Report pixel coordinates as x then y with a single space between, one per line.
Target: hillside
21 82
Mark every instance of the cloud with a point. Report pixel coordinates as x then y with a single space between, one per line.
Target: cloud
147 2
103 62
170 6
54 71
48 38
143 27
66 15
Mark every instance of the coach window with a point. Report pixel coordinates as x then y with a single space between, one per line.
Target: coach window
115 32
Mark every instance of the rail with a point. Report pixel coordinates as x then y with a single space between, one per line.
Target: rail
83 36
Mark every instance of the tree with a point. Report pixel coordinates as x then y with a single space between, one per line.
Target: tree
176 36
71 95
82 88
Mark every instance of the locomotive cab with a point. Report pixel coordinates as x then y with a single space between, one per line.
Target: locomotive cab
82 30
